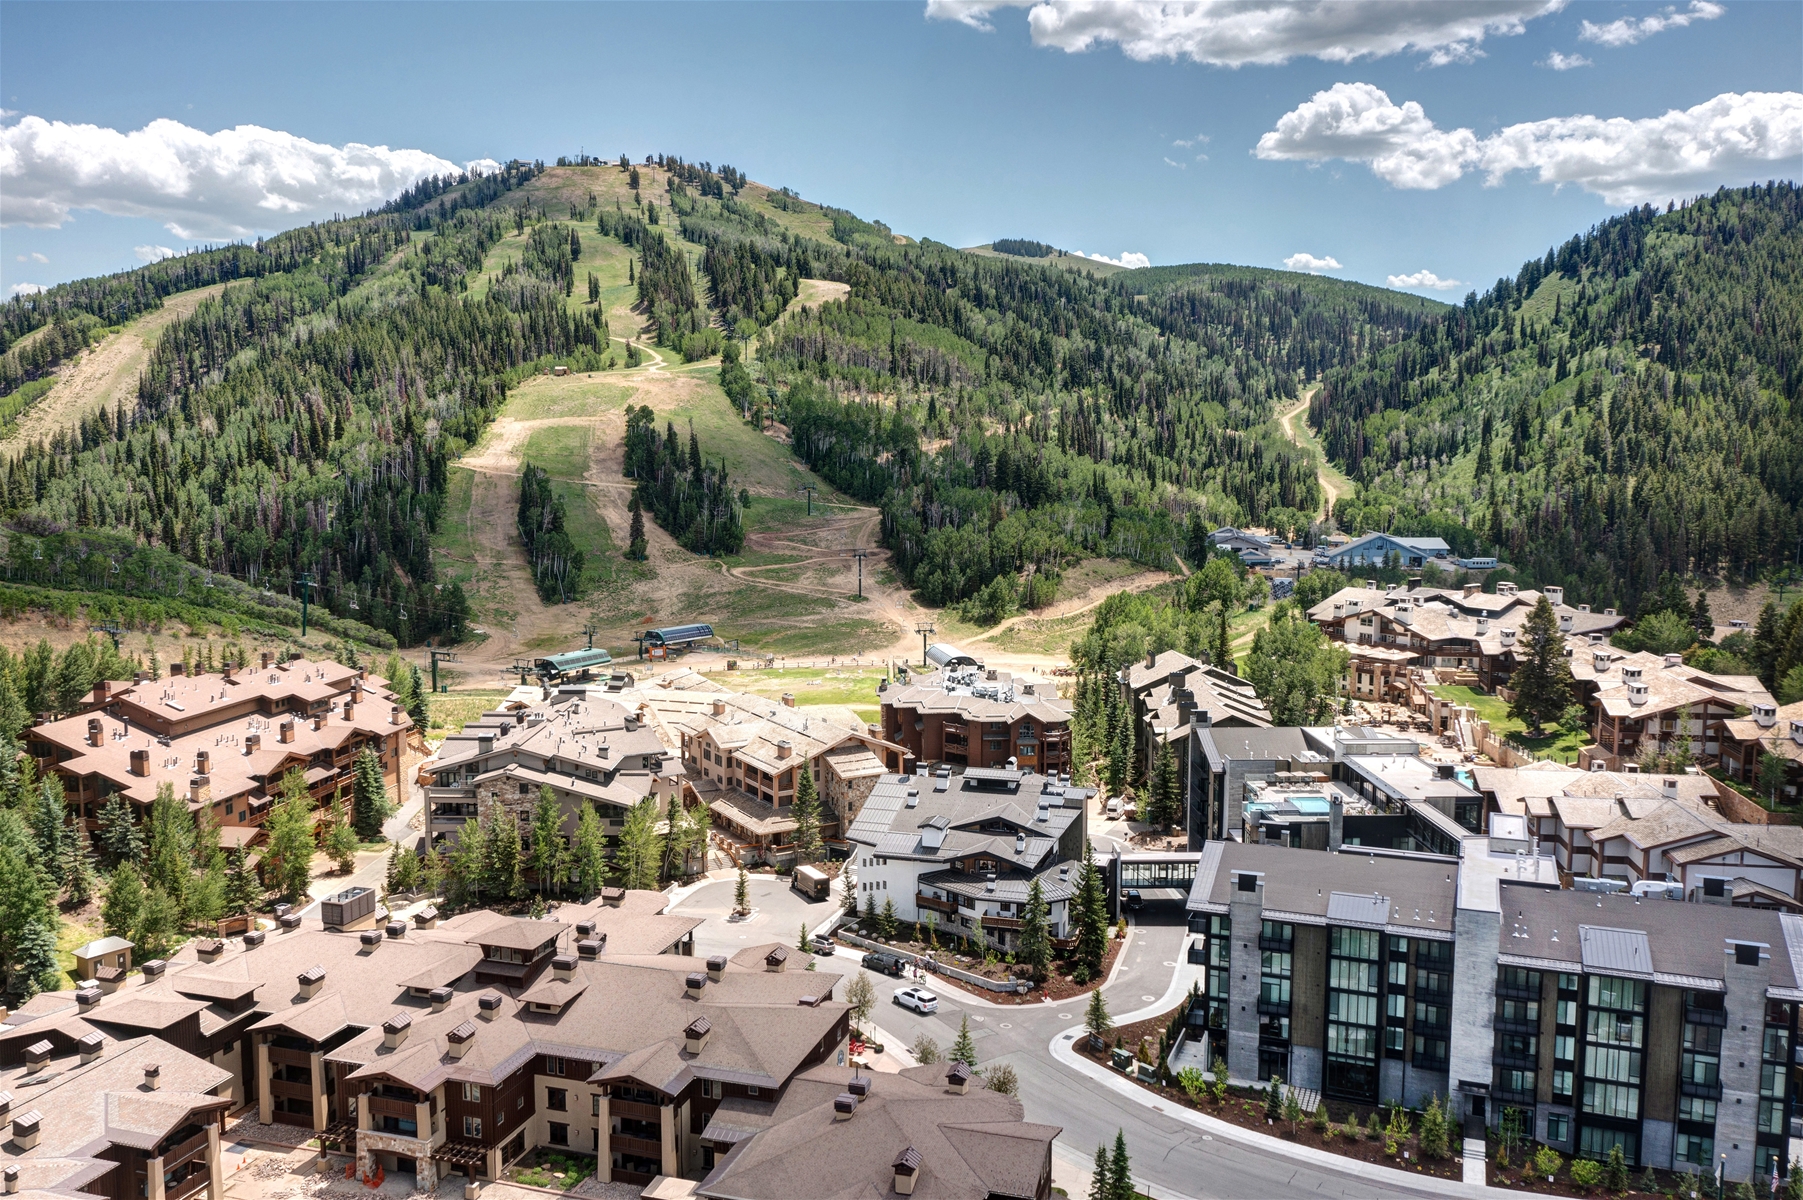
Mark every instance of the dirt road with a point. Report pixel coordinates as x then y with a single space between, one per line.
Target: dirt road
1333 484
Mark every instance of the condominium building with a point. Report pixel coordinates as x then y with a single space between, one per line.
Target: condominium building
222 742
1650 704
967 716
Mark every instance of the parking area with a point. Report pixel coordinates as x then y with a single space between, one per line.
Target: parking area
778 913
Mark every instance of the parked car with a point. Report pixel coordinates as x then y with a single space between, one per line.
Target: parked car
1134 899
918 999
884 964
824 944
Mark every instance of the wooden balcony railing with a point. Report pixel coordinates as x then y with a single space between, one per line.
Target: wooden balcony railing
194 1147
922 900
1001 922
634 1110
281 1055
641 1147
387 1106
188 1186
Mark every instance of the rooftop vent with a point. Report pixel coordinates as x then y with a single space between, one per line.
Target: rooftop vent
37 1056
426 918
1637 693
27 1127
1674 660
1765 715
397 929
489 1005
310 981
1565 620
694 983
585 929
694 1036
1555 596
90 1047
859 1087
459 1039
1631 674
957 1078
153 970
441 998
368 940
395 1029
87 996
907 1171
716 967
253 939
777 959
589 948
153 1077
564 967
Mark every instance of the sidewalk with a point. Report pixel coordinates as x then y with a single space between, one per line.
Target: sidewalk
1404 1181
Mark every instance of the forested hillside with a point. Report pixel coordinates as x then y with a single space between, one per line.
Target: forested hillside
1009 417
301 423
1625 408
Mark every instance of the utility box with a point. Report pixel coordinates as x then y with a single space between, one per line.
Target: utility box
348 908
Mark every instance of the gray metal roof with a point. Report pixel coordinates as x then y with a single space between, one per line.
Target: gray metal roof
1241 743
1616 951
1352 908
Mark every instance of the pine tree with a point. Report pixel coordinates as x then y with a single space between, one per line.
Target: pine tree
80 880
1035 943
547 841
1089 912
34 968
1120 1171
1615 1170
868 921
369 803
636 544
964 1049
1221 651
50 827
1162 810
886 922
1542 679
1433 1130
1701 618
588 851
741 893
124 903
169 863
806 812
1098 1179
1095 1016
242 891
803 941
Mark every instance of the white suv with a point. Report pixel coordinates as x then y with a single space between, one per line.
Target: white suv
918 999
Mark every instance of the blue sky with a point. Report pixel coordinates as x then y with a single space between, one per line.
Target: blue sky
931 123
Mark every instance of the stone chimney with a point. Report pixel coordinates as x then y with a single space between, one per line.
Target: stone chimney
96 736
957 1078
153 1077
907 1170
394 714
716 967
285 731
226 669
488 1005
200 789
1336 823
267 659
788 699
395 1030
694 1037
785 748
203 762
176 668
693 984
563 967
350 714
319 722
460 1038
311 980
90 1047
140 762
719 708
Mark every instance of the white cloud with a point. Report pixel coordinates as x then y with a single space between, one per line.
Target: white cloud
1734 138
1358 121
1169 162
23 289
1627 31
151 254
1423 279
482 166
1307 262
1565 62
1232 33
1201 139
1128 258
201 185
34 256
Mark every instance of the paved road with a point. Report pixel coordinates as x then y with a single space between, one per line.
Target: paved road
1175 1159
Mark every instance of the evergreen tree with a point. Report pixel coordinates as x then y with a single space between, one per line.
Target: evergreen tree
1162 810
741 893
1120 1172
34 968
369 796
1701 618
1098 1179
636 857
340 840
169 864
803 941
1542 678
547 842
503 874
589 851
288 859
80 880
123 906
1095 1016
806 812
26 898
119 840
50 826
1221 649
886 922
1089 912
636 545
868 921
1035 943
243 893
1433 1136
964 1049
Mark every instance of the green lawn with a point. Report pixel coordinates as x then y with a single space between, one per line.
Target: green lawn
1559 745
451 711
825 685
828 639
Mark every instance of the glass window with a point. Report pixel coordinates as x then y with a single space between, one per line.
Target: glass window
1624 995
472 1092
1565 1047
1562 1081
472 1127
1697 1149
1594 1142
1612 1100
560 1134
1558 1127
556 1099
1696 1108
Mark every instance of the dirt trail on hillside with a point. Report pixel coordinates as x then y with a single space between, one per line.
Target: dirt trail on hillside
1323 472
1090 598
103 374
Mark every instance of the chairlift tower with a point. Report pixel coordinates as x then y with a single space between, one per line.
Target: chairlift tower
810 489
439 656
860 555
925 630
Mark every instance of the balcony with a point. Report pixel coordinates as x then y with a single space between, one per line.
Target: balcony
922 900
188 1186
194 1147
282 1089
993 922
633 1110
387 1106
636 1146
281 1056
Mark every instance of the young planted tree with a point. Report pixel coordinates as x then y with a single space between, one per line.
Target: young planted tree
340 842
119 839
860 995
925 1050
1120 1171
503 873
887 923
588 851
1096 1018
1089 912
741 893
964 1049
